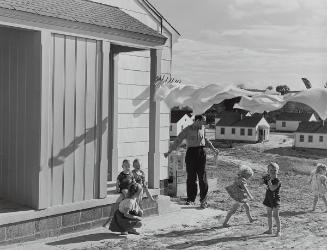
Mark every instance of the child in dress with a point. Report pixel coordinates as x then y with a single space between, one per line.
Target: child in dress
272 197
139 177
128 215
318 181
124 179
240 193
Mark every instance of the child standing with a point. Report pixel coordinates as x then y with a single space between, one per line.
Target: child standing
272 198
240 193
128 215
139 177
318 181
124 179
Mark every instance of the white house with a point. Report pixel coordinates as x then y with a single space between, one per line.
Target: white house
235 126
290 121
77 83
179 120
311 135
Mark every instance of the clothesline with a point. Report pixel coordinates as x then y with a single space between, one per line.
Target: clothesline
201 98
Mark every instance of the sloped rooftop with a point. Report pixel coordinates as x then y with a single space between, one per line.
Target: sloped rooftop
82 11
293 116
318 127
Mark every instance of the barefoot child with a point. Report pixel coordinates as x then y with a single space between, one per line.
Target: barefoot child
128 215
139 177
240 193
272 198
124 179
318 181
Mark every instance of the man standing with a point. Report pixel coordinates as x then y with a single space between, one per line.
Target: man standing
195 159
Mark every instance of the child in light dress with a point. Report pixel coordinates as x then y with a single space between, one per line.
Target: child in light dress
240 193
272 197
124 179
128 215
139 177
318 181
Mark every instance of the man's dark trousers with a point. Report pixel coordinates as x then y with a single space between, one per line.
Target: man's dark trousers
195 160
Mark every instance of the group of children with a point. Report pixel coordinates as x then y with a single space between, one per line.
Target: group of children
239 192
130 185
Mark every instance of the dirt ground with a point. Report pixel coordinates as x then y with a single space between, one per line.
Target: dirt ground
301 229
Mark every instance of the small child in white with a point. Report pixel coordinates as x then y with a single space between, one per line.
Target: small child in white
240 193
318 181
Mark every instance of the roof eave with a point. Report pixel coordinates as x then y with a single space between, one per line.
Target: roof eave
53 23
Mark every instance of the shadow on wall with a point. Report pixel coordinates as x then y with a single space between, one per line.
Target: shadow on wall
142 100
87 137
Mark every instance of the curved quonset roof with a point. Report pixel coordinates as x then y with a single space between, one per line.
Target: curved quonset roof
82 11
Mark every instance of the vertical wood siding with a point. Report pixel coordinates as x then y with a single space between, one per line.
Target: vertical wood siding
20 115
74 163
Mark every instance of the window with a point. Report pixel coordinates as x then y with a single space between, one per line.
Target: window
242 131
250 131
222 131
310 138
301 138
233 131
283 124
171 127
321 138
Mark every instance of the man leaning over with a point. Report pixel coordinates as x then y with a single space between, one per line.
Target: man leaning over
195 159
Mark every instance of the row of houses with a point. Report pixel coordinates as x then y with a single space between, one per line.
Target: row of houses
308 131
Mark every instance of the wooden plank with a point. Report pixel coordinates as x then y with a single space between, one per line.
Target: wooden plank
132 149
45 171
98 119
139 121
58 130
130 62
133 92
6 123
79 141
104 120
134 77
69 132
13 128
2 113
112 115
90 118
20 125
154 121
133 134
126 106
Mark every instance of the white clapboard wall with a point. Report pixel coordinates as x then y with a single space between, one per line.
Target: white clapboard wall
133 94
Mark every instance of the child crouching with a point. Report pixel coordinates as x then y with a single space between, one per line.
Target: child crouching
240 193
128 215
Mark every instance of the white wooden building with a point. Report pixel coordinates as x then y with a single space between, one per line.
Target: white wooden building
290 121
179 120
237 127
77 83
311 135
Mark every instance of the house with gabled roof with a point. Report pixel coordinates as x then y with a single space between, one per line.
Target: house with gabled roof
77 81
311 135
290 121
234 126
179 119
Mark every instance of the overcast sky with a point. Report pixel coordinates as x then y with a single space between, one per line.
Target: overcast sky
253 42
